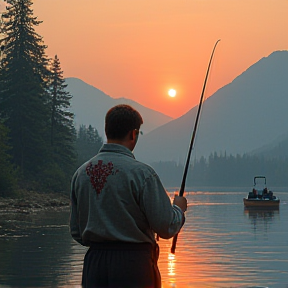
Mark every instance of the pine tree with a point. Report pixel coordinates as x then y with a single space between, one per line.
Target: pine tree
88 143
2 39
8 176
23 89
62 132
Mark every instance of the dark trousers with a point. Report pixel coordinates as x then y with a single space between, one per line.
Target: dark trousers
121 265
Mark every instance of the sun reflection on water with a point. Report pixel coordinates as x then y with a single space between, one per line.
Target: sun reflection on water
171 264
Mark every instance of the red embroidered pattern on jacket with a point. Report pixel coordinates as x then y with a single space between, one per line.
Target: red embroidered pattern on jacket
98 174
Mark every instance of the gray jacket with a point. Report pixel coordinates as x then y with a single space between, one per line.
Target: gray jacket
114 197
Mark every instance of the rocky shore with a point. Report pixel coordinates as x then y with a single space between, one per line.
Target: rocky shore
31 202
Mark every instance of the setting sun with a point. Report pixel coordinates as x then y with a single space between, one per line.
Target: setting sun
172 92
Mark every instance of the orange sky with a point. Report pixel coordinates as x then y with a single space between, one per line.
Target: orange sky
138 49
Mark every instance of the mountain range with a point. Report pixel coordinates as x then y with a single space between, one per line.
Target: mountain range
245 116
90 106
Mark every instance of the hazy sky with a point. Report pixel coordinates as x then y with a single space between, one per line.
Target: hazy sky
138 49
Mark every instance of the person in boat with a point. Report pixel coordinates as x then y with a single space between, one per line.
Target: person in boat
117 206
260 193
270 195
265 193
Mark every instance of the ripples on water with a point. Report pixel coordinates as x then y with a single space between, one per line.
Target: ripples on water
220 245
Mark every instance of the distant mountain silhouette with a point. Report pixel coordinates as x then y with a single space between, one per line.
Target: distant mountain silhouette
90 105
276 149
248 113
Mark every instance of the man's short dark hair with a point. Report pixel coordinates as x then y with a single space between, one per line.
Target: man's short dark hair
120 120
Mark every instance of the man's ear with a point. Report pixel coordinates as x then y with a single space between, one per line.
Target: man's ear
132 134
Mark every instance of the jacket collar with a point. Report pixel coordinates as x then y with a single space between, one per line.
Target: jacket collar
116 148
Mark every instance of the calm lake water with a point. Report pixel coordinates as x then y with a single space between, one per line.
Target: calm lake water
221 245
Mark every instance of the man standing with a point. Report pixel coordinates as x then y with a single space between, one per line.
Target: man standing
117 206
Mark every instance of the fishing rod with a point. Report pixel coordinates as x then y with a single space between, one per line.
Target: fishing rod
182 188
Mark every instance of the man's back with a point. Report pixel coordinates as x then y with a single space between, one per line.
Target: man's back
117 199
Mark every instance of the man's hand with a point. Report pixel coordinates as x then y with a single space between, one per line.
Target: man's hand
181 202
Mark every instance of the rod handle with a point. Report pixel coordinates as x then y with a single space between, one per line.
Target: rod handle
173 247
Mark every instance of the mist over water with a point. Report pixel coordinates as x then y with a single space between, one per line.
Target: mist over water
221 245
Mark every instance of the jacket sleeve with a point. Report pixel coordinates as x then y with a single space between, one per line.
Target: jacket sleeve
164 218
74 223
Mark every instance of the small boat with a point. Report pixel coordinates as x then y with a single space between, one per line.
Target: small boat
260 195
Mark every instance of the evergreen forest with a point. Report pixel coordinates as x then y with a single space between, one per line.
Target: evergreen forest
225 171
40 148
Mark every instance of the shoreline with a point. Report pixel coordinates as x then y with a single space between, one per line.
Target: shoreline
33 202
